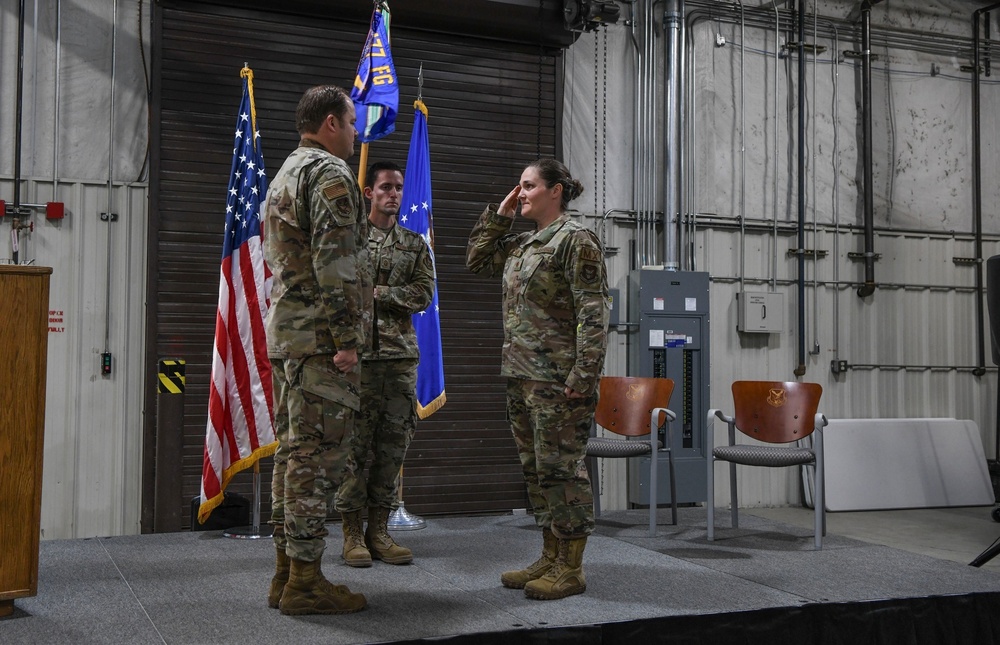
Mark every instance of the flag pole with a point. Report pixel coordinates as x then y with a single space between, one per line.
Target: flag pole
248 183
363 166
253 531
401 519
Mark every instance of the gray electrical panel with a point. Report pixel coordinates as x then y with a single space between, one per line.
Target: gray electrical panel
672 310
760 312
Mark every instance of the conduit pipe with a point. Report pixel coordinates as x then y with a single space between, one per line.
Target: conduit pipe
19 101
636 129
800 252
936 43
55 107
774 199
673 58
977 189
743 151
868 191
649 149
111 168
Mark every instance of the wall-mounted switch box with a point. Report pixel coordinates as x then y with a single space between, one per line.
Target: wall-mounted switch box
760 312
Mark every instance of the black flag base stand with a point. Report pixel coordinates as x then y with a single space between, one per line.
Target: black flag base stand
251 532
986 555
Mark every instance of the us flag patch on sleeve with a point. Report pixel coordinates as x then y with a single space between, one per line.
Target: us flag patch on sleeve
335 189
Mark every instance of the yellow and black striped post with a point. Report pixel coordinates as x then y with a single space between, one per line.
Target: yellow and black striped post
168 505
171 376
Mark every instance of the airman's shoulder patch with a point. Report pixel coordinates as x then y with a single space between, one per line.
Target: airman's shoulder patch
334 189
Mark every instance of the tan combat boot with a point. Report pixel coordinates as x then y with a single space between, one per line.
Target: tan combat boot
355 553
281 567
380 543
538 568
565 578
308 592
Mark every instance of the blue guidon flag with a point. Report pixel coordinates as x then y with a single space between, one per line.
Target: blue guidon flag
415 214
376 92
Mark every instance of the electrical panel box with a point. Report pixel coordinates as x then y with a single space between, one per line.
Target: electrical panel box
672 309
615 303
760 312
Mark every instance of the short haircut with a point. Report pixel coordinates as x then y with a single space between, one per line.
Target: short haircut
378 167
316 104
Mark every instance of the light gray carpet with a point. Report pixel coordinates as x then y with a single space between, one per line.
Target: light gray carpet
201 587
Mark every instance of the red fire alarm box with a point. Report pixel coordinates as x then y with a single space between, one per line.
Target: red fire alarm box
55 210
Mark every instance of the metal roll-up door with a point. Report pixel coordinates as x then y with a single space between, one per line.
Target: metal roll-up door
493 108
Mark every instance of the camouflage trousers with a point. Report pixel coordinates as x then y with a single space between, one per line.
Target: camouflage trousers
385 427
551 433
314 411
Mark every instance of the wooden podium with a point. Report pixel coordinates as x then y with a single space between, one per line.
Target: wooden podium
24 311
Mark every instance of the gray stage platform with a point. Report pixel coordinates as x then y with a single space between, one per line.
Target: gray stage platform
204 588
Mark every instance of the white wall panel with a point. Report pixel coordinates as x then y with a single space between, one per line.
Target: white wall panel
91 476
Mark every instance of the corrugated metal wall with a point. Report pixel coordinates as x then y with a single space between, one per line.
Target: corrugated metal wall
91 475
914 342
94 424
492 110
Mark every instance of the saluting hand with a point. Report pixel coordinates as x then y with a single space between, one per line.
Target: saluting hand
508 207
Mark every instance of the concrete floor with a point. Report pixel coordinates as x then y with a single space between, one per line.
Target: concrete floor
956 534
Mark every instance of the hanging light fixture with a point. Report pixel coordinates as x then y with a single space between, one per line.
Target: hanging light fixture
587 15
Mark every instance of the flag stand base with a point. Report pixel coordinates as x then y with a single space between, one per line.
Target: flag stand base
253 532
247 532
402 520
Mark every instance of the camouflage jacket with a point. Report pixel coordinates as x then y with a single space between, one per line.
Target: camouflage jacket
315 243
404 285
555 298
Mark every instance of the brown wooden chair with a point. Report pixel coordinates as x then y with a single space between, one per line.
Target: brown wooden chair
772 412
636 409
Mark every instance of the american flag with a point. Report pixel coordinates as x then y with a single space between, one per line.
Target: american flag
241 401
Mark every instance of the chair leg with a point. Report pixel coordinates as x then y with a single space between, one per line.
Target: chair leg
673 487
653 467
710 498
734 502
595 483
819 504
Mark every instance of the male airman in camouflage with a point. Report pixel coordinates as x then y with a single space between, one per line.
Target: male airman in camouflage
315 244
404 285
555 306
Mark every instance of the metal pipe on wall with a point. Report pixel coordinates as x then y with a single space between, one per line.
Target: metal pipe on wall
801 174
636 129
977 189
774 199
649 150
673 48
743 149
55 108
19 101
868 192
111 166
815 230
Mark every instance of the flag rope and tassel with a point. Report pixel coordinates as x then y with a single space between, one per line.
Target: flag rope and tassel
240 428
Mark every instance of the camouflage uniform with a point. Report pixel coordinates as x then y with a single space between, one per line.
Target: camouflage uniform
555 304
321 302
404 280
